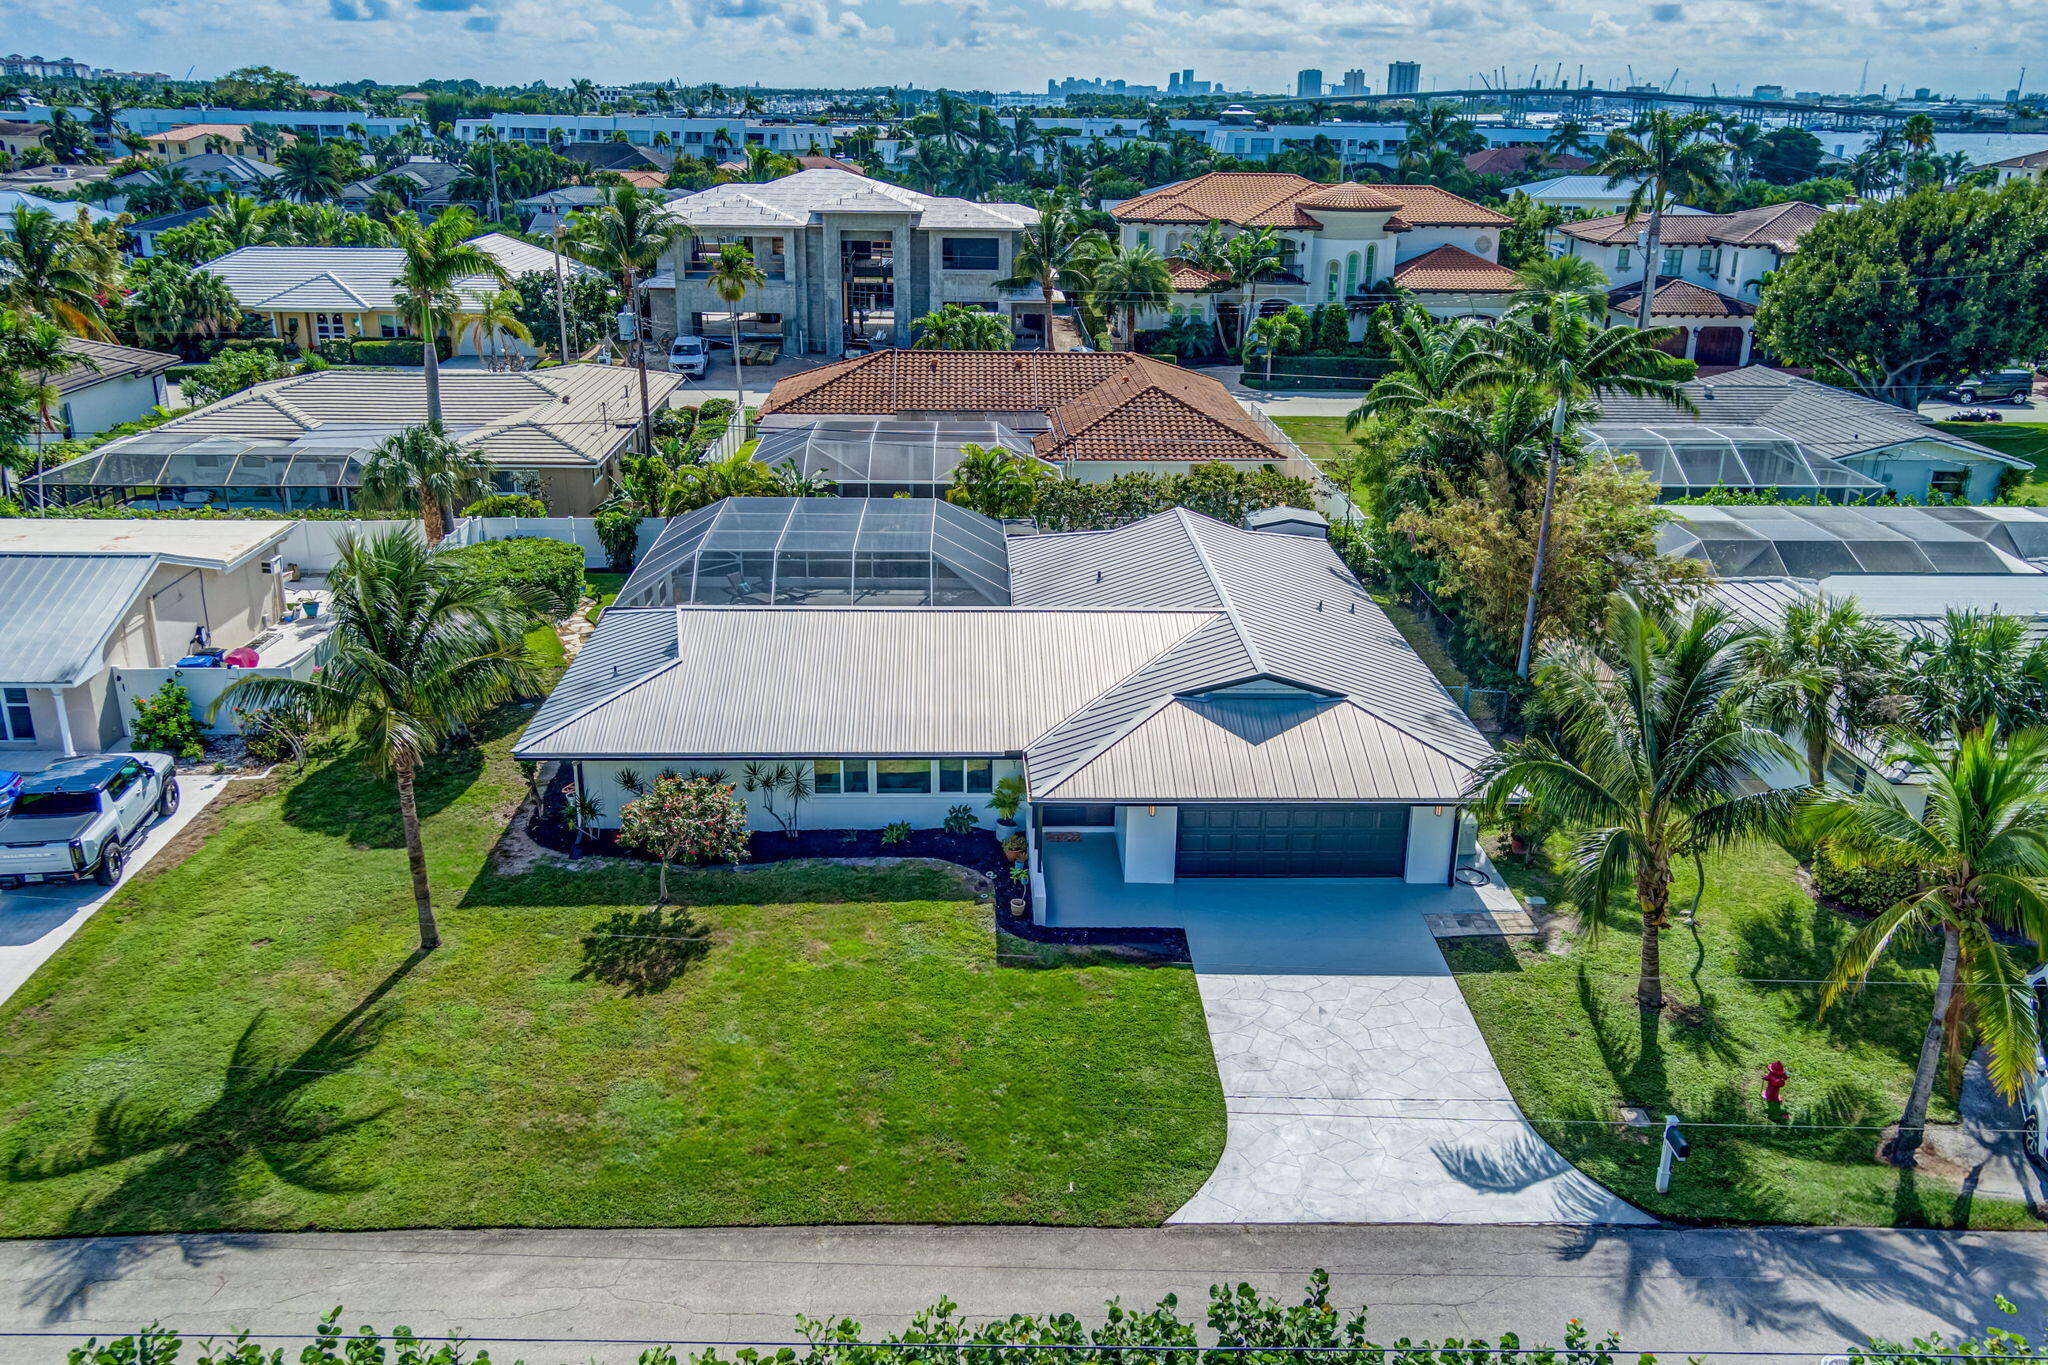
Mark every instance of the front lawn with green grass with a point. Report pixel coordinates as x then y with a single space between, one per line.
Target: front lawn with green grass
249 1040
604 587
1573 1047
2027 440
1320 438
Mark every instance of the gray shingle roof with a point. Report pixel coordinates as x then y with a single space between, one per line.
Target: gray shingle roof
60 610
107 361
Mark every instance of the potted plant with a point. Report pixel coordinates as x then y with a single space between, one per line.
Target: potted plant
1008 795
1013 847
1020 903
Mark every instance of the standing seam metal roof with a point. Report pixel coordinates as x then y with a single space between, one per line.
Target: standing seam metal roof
60 609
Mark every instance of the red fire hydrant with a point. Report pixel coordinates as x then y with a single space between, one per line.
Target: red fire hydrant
1774 1083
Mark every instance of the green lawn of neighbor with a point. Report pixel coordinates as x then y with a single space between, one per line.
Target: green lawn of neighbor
2027 440
1568 1037
604 587
249 1040
1320 438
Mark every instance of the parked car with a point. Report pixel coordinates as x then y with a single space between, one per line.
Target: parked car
2014 386
79 818
687 357
10 783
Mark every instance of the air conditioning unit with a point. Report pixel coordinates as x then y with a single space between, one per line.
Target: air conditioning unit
274 564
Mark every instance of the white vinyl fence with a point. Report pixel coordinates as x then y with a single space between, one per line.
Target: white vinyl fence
204 686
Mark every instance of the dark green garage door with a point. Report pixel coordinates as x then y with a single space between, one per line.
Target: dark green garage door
1292 841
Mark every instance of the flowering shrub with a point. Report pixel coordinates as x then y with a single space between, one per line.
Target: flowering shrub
686 820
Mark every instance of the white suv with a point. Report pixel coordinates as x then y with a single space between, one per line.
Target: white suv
687 356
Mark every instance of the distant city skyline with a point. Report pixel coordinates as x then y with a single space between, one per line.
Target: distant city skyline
1967 50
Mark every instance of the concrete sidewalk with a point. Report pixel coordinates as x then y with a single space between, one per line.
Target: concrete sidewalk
1675 1292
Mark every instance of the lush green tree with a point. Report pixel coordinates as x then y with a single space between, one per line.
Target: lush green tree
587 307
1909 295
313 171
686 820
32 353
1655 755
1978 668
1543 281
417 653
43 272
439 260
1525 241
1670 159
1049 252
997 482
1789 155
959 327
231 372
1268 337
1136 279
494 315
1434 362
1820 670
421 470
1979 854
1248 257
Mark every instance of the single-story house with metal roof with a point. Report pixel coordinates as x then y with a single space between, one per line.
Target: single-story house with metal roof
301 442
1759 430
1180 698
89 598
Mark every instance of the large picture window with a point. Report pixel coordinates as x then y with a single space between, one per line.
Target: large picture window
968 253
966 775
894 775
839 776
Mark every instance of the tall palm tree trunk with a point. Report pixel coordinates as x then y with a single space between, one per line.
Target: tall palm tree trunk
646 442
1045 289
430 356
431 520
1652 248
416 854
1542 554
739 380
1913 1123
1653 893
1817 745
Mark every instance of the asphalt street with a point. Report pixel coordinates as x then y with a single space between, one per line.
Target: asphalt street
601 1296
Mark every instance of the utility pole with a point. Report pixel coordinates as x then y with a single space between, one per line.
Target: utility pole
561 294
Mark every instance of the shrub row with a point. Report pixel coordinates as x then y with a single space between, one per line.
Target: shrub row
547 571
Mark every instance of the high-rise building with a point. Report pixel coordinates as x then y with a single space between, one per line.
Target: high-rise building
1404 78
1308 84
1354 81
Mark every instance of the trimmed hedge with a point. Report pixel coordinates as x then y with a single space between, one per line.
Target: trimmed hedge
533 567
395 351
506 505
1319 372
283 350
1861 890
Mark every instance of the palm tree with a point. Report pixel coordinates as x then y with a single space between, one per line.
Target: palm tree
732 274
1437 128
1563 348
583 91
1874 170
1917 133
41 273
496 314
244 222
928 165
1268 337
1541 283
1433 363
1979 668
68 139
1136 279
958 327
626 236
1049 250
1248 258
1980 859
950 115
439 260
106 102
420 470
171 302
1819 670
976 172
32 352
1670 159
417 654
1654 757
1569 137
1746 142
996 482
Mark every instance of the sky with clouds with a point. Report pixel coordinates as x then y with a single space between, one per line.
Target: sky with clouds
1954 46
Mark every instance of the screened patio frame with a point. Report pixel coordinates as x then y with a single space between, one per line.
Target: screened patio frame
1817 542
824 552
1689 459
878 457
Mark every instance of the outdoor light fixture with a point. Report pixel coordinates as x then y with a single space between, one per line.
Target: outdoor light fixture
1151 810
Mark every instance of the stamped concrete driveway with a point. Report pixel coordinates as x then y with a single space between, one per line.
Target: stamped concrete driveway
1357 1085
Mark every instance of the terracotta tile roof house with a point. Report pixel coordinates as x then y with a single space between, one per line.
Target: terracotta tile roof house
1192 279
1340 243
1073 405
1453 270
1515 160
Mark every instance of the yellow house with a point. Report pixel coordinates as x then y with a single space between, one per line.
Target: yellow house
194 138
17 137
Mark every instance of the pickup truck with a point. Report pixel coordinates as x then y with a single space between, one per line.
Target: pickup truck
79 818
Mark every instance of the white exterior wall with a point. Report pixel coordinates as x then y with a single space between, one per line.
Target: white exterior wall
869 810
96 407
1147 839
1432 831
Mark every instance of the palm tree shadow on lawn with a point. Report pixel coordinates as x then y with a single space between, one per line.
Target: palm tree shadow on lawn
189 1169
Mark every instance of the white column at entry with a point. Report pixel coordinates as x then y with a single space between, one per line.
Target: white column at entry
63 723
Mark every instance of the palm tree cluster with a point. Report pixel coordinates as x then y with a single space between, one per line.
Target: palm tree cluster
1666 725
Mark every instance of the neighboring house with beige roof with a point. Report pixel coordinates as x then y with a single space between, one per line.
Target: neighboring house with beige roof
1093 414
1341 243
1710 270
301 442
195 138
2029 166
851 262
